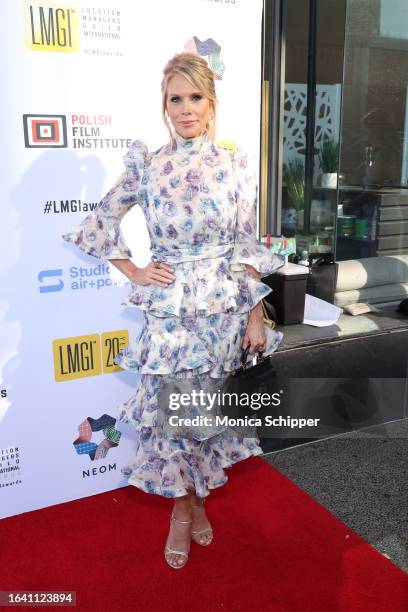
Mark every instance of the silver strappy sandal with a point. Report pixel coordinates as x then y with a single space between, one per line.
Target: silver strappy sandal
195 534
170 551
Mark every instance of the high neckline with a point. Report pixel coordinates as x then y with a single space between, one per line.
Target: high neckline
190 145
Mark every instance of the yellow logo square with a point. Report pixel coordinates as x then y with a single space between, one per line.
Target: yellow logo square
111 344
50 26
230 145
76 357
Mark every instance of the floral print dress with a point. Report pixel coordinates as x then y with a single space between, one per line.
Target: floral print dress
199 202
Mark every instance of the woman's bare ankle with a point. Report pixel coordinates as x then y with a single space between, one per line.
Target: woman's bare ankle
182 508
197 501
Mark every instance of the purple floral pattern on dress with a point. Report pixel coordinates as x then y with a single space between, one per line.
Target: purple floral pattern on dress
199 202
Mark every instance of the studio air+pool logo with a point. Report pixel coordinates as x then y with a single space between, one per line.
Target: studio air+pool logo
45 131
86 445
51 26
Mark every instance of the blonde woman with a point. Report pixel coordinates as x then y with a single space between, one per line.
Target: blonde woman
200 293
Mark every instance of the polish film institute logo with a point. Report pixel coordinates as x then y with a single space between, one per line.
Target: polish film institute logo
46 131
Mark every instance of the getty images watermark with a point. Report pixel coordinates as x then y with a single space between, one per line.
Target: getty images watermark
276 407
205 412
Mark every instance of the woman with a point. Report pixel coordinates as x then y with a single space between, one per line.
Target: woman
201 293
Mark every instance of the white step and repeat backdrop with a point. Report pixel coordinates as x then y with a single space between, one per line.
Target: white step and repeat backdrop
80 81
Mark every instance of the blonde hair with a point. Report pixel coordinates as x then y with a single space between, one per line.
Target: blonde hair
196 70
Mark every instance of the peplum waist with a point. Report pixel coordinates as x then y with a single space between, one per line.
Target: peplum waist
203 286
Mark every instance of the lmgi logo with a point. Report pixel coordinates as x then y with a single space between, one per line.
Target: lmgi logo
50 27
90 355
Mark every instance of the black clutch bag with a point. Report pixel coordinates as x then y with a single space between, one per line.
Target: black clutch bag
242 389
247 370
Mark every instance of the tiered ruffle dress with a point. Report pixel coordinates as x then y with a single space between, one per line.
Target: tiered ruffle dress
199 202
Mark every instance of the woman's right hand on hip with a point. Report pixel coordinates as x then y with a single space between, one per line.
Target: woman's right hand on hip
161 275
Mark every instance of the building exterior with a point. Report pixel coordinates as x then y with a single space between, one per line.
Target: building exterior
335 127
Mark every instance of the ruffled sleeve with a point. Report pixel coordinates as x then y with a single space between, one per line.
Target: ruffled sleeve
248 249
100 234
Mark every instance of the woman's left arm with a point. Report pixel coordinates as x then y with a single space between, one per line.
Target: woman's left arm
255 331
249 253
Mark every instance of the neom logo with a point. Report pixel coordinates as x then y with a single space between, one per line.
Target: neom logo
51 28
85 443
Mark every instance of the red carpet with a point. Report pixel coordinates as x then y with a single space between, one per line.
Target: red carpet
275 549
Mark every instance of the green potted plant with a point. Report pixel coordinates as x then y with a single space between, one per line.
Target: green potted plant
329 163
294 179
